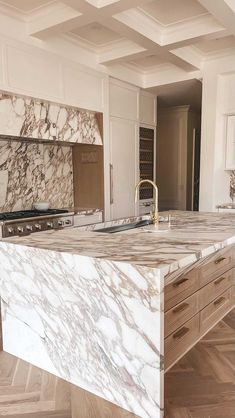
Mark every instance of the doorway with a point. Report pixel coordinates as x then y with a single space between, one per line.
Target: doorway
178 145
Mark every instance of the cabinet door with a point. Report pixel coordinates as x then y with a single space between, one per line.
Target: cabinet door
148 109
123 168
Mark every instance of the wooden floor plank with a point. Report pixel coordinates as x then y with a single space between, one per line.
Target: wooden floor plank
202 383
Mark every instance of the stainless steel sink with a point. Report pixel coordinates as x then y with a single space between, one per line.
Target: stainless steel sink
124 227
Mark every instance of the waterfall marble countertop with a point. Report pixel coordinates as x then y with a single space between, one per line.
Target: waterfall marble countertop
191 236
88 306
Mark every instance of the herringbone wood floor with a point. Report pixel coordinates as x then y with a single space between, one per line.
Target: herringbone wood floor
201 385
28 391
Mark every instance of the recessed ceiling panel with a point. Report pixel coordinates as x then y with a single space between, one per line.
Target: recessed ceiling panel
168 12
96 34
26 5
216 44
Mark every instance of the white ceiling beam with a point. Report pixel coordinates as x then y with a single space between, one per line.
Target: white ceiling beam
146 43
59 18
191 55
222 11
167 76
193 30
120 51
141 23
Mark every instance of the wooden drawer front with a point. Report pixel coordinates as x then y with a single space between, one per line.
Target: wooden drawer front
215 288
181 313
219 263
210 315
181 340
180 289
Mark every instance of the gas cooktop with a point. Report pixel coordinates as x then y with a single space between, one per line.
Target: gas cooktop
24 222
21 214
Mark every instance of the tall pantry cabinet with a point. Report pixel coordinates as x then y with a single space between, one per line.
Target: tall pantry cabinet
124 120
127 109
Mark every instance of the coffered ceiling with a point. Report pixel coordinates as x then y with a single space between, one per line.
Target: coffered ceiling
143 37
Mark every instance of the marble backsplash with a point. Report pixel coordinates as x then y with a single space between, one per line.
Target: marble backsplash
32 172
37 119
232 186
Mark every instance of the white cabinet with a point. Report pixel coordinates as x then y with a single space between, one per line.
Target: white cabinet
230 143
123 166
123 148
124 100
148 108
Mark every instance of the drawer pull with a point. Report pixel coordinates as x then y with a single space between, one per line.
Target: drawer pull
219 301
179 334
179 282
218 281
181 307
219 260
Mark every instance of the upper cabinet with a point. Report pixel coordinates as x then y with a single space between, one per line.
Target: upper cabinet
230 143
123 100
148 108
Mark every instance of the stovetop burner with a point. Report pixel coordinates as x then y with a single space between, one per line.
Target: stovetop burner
20 214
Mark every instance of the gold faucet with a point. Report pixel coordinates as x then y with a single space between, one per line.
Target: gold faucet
154 213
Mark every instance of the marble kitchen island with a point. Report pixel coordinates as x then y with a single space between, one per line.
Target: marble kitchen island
89 306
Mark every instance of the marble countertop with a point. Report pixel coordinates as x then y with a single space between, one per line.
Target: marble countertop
192 236
230 205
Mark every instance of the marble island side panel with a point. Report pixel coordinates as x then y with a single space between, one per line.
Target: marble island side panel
88 306
92 322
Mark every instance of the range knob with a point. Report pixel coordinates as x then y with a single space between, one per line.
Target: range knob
68 222
60 223
10 230
49 224
20 229
38 227
29 227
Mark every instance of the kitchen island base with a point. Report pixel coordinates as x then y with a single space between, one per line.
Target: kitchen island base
89 307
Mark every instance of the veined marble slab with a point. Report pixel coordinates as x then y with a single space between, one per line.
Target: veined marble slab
33 118
95 323
36 172
192 236
88 306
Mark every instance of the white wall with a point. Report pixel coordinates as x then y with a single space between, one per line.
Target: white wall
218 99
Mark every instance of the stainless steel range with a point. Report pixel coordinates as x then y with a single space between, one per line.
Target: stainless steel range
29 221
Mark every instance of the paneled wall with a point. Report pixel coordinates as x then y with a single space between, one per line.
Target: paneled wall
32 172
218 100
30 71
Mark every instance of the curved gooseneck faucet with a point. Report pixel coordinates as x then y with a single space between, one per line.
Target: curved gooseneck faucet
154 213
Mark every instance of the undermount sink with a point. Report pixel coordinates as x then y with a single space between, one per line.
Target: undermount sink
146 225
125 227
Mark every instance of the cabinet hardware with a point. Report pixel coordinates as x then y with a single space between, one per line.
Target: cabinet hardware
111 182
219 260
179 282
181 307
219 301
218 281
179 334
